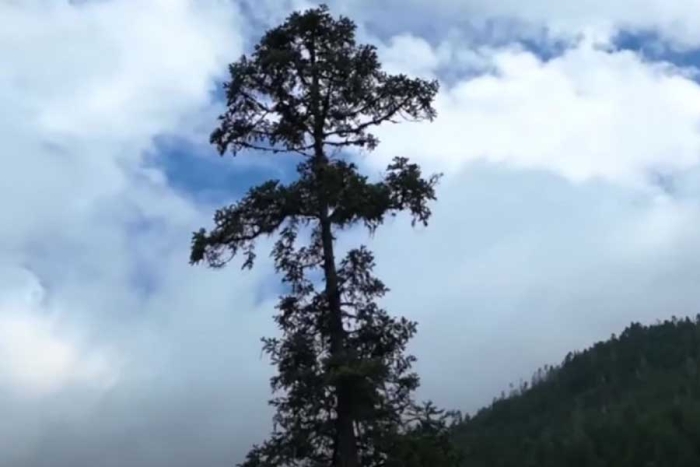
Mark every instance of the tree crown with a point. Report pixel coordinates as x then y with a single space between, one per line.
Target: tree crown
308 81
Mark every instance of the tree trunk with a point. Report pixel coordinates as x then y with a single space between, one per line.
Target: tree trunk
345 451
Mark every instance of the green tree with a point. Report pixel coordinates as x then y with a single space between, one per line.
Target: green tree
633 400
343 392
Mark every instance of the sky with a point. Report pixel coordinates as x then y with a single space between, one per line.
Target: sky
568 133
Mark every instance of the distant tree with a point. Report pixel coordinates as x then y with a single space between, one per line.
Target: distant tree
428 440
343 392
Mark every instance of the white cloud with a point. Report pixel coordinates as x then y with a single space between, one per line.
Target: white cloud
115 70
548 233
589 113
520 267
86 353
89 87
677 21
36 354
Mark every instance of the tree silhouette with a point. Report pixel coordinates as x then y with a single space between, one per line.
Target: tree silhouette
344 384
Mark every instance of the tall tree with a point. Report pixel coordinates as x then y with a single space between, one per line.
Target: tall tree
343 388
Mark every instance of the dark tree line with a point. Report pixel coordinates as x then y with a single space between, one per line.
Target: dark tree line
631 401
343 391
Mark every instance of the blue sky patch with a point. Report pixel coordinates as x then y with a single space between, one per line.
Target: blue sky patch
207 177
652 47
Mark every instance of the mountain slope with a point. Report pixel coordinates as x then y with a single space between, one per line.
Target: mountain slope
632 401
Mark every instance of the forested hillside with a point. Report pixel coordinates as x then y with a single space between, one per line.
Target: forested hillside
633 400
